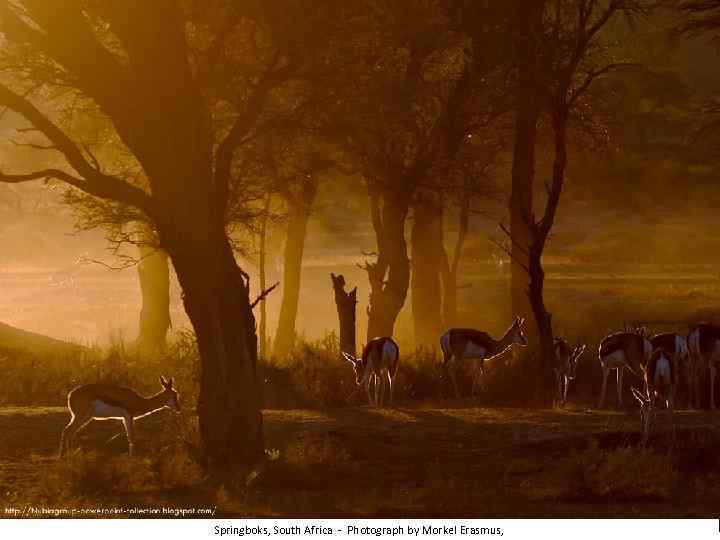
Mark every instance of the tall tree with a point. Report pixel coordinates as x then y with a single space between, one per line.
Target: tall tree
298 185
415 62
154 277
528 37
565 55
151 69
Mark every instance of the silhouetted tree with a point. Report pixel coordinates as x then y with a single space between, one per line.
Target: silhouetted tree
158 71
561 55
346 303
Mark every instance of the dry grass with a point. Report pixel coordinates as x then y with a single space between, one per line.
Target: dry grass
622 473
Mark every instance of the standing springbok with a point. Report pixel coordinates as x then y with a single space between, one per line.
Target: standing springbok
379 361
108 402
704 346
675 347
458 344
620 351
566 360
660 379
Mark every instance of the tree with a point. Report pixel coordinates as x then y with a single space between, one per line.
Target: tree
150 68
416 61
154 277
528 36
298 185
563 59
346 303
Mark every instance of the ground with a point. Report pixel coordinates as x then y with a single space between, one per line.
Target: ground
415 461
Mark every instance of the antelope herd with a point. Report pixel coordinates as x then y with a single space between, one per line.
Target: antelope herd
662 362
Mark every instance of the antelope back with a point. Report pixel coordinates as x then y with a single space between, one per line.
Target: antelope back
636 348
381 353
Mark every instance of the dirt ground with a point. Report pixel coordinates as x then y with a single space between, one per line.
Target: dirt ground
422 461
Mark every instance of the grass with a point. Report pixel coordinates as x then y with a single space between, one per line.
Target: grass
328 457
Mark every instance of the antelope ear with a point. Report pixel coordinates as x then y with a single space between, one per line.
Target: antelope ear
580 350
638 395
163 381
349 358
170 383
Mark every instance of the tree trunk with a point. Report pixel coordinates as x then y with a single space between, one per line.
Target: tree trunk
292 268
389 276
523 168
543 319
427 257
262 349
346 304
543 365
450 267
154 277
216 299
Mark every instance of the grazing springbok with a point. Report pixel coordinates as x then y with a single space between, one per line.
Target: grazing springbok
660 379
107 402
458 344
675 347
566 360
704 346
620 351
379 362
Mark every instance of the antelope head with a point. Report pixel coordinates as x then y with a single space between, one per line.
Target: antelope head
170 395
517 336
646 411
575 355
357 365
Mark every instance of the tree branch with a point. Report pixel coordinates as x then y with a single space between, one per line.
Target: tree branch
263 295
591 76
91 180
244 123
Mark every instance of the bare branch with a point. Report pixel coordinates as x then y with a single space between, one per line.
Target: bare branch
507 231
591 76
33 145
92 181
509 253
261 297
244 123
45 174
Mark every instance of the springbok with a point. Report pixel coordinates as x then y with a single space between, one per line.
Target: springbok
620 351
660 379
675 347
566 363
704 346
108 402
379 361
458 344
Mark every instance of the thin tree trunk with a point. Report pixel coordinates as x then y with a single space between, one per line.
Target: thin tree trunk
298 218
346 303
389 276
263 279
450 267
154 277
427 257
543 319
523 168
